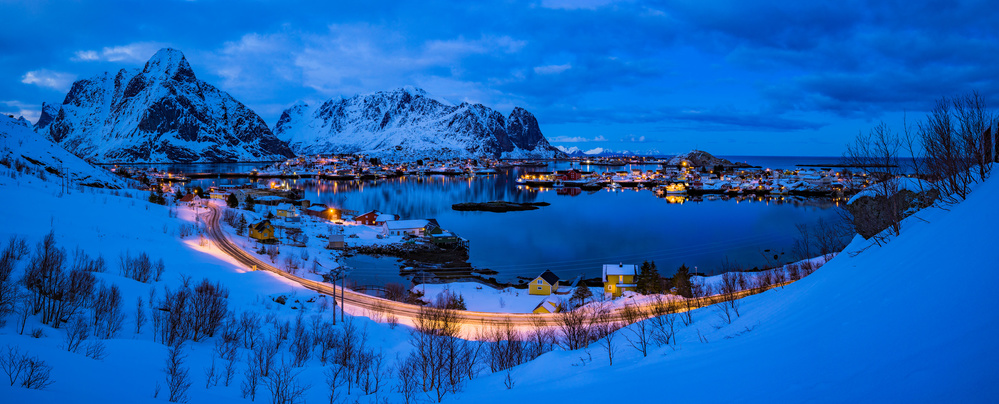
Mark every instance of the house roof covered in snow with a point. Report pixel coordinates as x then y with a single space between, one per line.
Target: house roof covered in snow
620 269
551 304
406 224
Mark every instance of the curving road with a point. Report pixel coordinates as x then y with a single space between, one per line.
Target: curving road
379 309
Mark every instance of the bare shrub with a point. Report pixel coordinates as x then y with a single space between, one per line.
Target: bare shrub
284 386
139 268
96 350
107 312
140 315
638 333
58 293
663 320
177 376
505 347
36 373
77 331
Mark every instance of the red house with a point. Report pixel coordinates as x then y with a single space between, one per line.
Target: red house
367 218
569 175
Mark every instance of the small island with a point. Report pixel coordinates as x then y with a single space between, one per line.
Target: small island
498 206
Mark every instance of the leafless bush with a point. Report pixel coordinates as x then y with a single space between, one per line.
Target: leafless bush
440 360
15 249
96 350
77 331
251 377
185 230
83 262
957 145
301 344
505 347
36 373
793 272
139 268
284 385
730 302
663 320
209 305
638 332
249 326
107 312
58 294
577 328
876 154
177 376
13 362
335 378
606 331
395 292
140 315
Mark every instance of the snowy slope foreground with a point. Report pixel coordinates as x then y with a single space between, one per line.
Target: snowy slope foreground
407 123
911 321
19 142
161 113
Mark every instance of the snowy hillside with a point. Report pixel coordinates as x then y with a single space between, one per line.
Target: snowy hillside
408 124
912 321
19 142
161 113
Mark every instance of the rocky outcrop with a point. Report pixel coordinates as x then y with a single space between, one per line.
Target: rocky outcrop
698 158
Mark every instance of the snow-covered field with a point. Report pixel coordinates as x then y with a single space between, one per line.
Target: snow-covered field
910 321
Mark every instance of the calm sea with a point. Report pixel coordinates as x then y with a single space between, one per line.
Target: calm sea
579 232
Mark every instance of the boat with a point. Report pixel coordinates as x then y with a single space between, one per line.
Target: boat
558 184
615 185
671 189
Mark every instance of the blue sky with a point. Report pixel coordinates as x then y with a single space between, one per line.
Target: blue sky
729 77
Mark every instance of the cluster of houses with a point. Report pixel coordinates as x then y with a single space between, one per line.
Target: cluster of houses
389 224
429 228
617 279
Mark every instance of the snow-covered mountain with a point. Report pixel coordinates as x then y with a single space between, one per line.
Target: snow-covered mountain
407 123
19 143
160 113
603 152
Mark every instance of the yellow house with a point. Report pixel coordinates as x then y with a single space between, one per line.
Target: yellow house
262 231
619 278
550 305
286 210
545 284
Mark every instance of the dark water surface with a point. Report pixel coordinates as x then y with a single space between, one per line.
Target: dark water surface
576 234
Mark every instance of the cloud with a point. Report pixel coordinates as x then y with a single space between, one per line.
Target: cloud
577 139
134 53
18 108
552 69
49 79
576 4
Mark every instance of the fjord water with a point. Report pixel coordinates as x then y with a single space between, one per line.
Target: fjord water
575 235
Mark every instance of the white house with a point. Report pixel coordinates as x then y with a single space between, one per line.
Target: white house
414 227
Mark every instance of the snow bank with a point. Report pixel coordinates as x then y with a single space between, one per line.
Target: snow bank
875 324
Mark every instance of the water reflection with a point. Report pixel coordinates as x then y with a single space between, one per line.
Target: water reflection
580 230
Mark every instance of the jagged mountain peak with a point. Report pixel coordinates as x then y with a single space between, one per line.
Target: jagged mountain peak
168 64
161 113
408 122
